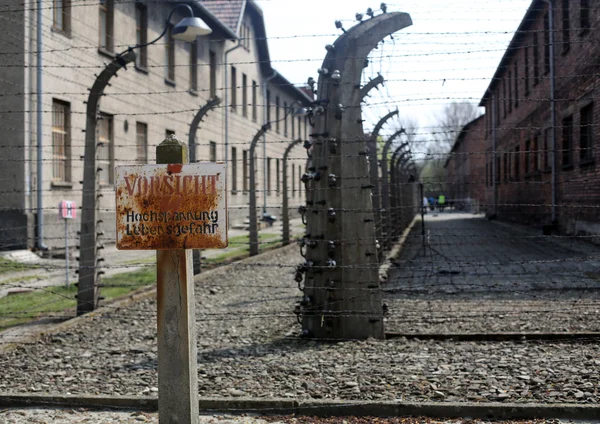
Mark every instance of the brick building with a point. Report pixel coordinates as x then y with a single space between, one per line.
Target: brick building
518 120
170 81
466 168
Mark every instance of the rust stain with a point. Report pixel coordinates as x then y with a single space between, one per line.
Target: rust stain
174 168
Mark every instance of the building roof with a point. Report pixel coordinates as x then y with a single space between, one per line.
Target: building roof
229 12
534 9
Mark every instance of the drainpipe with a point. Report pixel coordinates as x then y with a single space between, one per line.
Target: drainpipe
265 87
494 156
552 108
225 96
40 170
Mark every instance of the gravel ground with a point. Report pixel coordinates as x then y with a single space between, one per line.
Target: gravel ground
76 416
248 347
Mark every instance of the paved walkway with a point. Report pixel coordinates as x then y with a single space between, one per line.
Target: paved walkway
497 276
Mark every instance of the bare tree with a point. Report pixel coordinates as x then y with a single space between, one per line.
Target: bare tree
451 121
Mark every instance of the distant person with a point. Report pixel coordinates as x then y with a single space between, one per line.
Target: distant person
441 202
425 204
432 203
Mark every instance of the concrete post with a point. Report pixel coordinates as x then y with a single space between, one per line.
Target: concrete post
374 172
386 216
88 292
286 213
342 296
253 214
210 104
177 352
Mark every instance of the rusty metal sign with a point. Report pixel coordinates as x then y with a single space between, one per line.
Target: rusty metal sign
174 206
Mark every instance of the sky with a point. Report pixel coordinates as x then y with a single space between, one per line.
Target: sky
449 53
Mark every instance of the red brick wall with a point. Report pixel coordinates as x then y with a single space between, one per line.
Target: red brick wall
525 196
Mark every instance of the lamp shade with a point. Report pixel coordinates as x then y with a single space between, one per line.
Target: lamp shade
190 28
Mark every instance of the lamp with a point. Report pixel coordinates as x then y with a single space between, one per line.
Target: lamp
190 28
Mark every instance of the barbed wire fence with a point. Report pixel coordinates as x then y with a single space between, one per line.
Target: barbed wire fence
457 275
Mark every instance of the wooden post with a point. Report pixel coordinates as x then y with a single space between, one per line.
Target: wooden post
342 296
286 213
177 352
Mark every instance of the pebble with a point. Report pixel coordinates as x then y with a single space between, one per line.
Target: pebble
248 345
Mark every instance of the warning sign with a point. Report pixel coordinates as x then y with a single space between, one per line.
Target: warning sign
162 207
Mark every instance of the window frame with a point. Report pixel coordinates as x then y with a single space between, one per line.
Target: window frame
234 189
586 131
212 151
64 12
212 63
63 157
233 81
141 32
244 95
567 142
141 143
109 145
169 56
106 39
194 66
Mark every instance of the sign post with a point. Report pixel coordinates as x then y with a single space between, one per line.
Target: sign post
67 210
173 207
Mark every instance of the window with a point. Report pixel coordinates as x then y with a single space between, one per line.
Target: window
517 163
487 174
526 69
106 19
536 60
567 141
106 158
141 35
293 125
299 127
169 132
269 175
268 106
535 151
527 157
254 95
566 25
506 170
277 114
170 55
584 15
546 43
285 120
516 85
299 179
212 151
141 142
233 170
504 97
498 163
277 176
212 63
194 66
61 141
244 95
245 170
62 15
306 127
293 181
547 149
586 133
233 88
510 96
